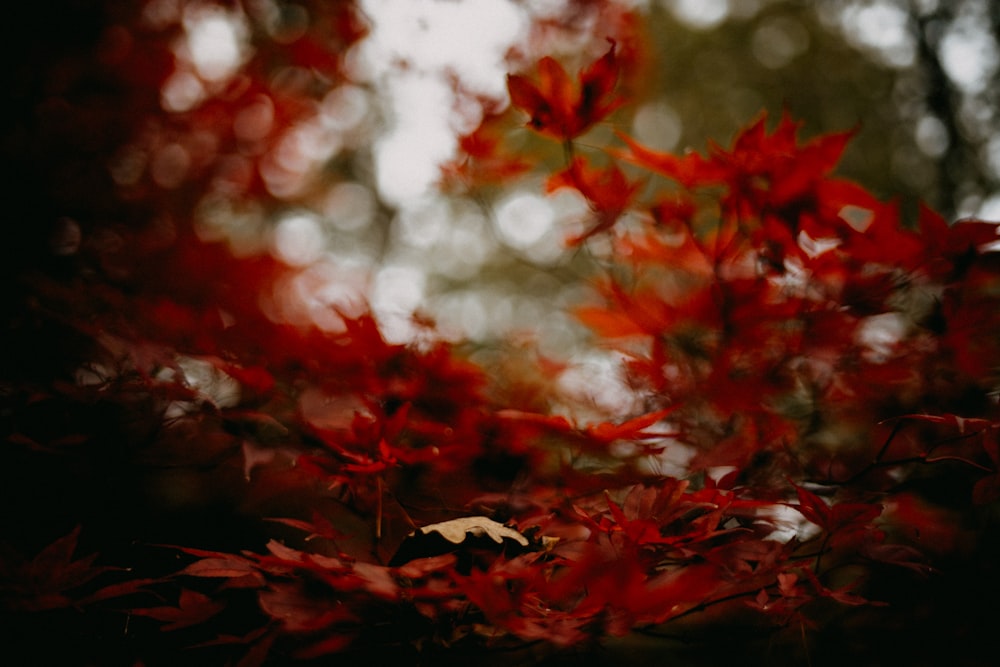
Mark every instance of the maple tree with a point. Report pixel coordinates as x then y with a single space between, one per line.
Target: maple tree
196 469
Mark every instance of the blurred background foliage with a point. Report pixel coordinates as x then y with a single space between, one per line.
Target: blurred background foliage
267 125
917 79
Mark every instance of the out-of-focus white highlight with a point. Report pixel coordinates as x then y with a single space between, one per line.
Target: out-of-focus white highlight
298 239
969 53
215 41
657 126
880 334
699 14
882 29
523 218
414 46
596 378
397 292
789 523
778 41
212 47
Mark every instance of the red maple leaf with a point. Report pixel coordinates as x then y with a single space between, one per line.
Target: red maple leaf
842 521
558 108
607 191
52 579
690 170
481 159
763 171
192 608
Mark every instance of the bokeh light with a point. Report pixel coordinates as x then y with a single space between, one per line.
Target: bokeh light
352 176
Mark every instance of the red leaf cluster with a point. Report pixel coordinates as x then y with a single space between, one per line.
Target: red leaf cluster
557 107
812 380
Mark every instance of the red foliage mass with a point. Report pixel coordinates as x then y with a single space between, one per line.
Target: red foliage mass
827 373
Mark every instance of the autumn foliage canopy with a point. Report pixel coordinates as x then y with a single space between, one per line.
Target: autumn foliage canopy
812 451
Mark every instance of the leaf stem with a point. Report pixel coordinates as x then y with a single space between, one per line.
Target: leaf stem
569 152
